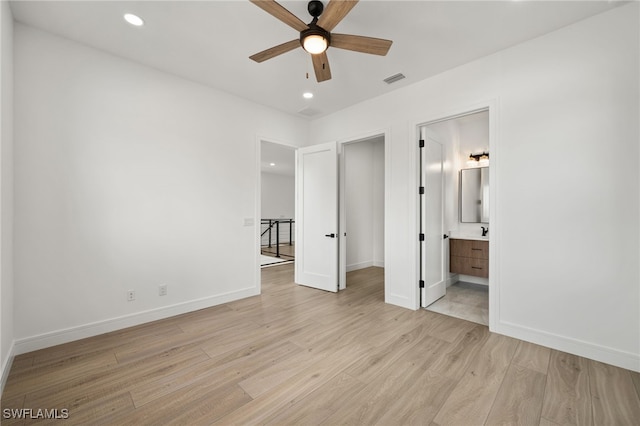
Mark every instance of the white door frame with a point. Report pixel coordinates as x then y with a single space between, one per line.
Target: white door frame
342 219
258 204
491 106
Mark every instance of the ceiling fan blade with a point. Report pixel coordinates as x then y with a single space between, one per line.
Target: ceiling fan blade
335 11
374 46
280 12
275 51
321 67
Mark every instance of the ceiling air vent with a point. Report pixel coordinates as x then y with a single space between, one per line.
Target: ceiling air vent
309 112
394 78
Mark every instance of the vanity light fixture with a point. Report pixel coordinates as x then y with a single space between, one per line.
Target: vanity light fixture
478 160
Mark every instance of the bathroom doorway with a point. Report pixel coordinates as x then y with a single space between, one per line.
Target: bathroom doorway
465 240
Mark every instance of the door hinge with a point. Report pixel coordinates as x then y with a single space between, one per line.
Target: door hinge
421 237
421 190
421 283
421 143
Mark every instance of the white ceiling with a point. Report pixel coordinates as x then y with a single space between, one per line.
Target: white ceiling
282 157
210 41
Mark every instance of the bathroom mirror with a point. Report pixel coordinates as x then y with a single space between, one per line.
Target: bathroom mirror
474 195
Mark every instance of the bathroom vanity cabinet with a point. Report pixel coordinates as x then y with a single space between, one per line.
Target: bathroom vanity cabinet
469 257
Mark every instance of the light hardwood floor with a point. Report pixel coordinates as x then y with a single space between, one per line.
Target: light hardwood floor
300 356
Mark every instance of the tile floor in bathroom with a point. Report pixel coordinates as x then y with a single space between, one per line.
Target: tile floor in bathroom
464 300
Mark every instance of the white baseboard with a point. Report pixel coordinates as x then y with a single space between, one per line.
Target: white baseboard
58 337
473 280
622 359
361 265
367 264
6 367
452 280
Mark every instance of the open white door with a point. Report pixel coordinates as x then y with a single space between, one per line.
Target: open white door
431 220
317 217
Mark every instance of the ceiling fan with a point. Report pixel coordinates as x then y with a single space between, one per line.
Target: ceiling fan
316 36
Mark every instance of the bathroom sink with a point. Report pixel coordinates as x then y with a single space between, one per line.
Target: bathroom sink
458 236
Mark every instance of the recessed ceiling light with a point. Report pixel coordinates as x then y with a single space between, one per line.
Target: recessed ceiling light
307 95
133 19
272 164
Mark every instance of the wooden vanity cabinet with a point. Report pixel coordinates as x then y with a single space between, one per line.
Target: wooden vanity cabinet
469 257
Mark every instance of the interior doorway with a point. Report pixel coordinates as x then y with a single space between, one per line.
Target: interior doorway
464 291
362 213
277 204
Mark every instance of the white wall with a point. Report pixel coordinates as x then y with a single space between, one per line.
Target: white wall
128 178
278 196
6 191
364 199
278 201
568 103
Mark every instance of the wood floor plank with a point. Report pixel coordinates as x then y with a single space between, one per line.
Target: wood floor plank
567 397
533 357
547 422
314 408
635 377
107 407
217 373
613 395
183 341
39 378
519 401
420 402
472 398
12 404
370 366
198 404
84 389
323 368
451 329
367 406
230 342
459 355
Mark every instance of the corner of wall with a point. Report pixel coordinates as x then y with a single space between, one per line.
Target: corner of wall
7 341
5 368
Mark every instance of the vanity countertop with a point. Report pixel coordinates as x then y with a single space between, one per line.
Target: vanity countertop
455 236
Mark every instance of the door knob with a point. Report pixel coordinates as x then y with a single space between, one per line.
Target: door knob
330 235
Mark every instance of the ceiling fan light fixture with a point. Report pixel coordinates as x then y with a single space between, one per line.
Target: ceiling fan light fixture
315 44
314 40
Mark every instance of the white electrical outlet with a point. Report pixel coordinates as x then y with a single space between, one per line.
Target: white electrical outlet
131 295
162 290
